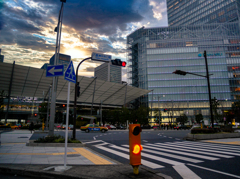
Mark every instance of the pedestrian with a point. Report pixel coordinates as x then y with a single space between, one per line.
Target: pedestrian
31 127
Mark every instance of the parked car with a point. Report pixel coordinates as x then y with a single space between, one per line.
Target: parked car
110 127
70 126
93 127
121 127
59 127
64 127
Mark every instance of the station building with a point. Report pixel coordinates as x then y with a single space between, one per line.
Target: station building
155 53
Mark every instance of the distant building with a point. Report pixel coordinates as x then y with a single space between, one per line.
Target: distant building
45 66
101 72
63 60
1 57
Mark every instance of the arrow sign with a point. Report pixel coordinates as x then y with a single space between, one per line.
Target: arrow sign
54 70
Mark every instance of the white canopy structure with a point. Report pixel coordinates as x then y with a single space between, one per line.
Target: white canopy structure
31 82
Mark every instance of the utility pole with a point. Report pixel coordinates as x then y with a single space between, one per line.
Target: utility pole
54 84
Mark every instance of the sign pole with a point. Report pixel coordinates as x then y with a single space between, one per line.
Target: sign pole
66 129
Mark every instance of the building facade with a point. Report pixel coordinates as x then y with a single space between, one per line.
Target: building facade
102 73
155 53
63 60
190 12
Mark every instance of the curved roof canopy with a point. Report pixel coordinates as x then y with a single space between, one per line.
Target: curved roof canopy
31 82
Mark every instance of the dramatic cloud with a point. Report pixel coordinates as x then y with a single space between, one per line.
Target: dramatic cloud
27 28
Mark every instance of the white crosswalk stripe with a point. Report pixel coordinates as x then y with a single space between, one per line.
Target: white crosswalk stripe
126 156
182 148
169 155
172 162
205 150
175 154
230 148
158 147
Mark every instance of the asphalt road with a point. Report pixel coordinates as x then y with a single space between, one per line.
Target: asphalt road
166 151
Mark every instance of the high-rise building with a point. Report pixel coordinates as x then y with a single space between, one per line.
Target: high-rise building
190 12
155 53
102 73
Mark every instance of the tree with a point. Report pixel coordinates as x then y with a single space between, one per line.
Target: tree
236 109
215 107
42 111
183 119
140 115
198 118
156 114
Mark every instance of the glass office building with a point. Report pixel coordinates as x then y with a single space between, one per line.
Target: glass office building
190 12
155 53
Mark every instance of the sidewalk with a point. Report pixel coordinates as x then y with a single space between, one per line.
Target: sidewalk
230 141
48 162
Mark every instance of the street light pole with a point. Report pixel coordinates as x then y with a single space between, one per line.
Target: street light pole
54 83
179 72
75 99
209 90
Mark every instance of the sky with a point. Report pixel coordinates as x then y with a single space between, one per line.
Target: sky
27 29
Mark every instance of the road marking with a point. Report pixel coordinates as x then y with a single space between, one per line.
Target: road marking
170 137
206 150
214 171
177 139
185 172
194 151
144 162
94 138
169 155
145 141
93 141
172 162
159 147
208 145
92 157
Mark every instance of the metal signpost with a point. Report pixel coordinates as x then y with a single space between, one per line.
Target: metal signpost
71 77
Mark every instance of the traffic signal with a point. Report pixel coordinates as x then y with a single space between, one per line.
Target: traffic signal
35 114
118 62
135 146
179 72
63 105
165 110
78 89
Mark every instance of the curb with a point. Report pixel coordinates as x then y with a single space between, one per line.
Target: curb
32 144
36 173
195 137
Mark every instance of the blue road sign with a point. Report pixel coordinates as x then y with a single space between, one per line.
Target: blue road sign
54 70
70 73
101 57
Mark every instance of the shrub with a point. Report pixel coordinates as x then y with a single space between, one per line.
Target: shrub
37 126
202 131
5 127
24 127
55 139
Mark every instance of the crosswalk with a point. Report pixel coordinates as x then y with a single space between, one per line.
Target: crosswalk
176 154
